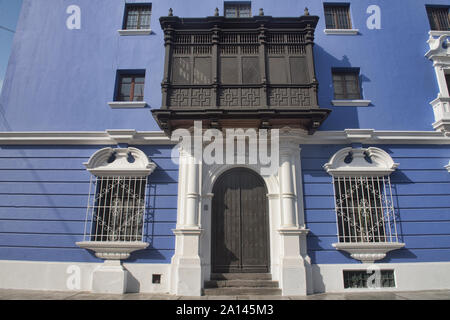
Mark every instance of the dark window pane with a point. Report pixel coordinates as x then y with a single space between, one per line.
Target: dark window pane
237 10
337 17
138 92
346 85
439 18
250 70
138 17
131 88
447 78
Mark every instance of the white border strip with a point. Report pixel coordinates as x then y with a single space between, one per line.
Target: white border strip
133 137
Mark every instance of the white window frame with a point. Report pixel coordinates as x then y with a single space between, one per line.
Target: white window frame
109 163
358 167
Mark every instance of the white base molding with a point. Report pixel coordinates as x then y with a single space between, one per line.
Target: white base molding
110 278
368 252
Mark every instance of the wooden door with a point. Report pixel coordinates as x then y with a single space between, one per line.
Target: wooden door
240 224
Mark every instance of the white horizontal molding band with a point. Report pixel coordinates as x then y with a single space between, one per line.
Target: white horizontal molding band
135 32
351 103
130 136
341 31
127 104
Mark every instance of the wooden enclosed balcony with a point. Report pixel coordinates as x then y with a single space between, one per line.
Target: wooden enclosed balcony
240 72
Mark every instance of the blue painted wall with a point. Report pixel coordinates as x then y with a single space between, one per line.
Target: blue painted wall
43 199
60 79
421 194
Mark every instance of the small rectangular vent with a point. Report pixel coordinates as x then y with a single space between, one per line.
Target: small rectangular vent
369 279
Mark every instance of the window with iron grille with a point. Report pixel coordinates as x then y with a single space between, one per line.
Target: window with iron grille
137 16
130 87
116 209
364 209
346 84
337 16
359 279
237 9
439 18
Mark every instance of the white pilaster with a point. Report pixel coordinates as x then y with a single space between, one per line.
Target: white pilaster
295 265
186 263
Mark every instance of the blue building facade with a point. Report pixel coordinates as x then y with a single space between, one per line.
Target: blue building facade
62 130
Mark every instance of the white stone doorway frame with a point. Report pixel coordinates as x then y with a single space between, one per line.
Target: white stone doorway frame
289 262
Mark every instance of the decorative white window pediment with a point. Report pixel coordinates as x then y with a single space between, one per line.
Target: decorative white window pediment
365 214
130 162
361 162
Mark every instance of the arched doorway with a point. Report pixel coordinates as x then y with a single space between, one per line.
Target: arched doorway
240 223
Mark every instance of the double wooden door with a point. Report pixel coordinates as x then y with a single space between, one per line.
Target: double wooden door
240 224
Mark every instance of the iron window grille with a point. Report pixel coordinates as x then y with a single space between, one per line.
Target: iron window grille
237 9
137 16
439 18
359 279
337 16
346 85
364 208
116 209
131 87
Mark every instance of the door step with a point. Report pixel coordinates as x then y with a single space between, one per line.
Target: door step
238 284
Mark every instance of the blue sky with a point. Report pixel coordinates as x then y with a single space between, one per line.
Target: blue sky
9 13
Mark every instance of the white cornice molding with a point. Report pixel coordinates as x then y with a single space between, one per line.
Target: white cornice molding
127 104
380 163
346 32
351 103
100 166
134 32
133 137
439 48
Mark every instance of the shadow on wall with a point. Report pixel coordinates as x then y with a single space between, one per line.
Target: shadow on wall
341 117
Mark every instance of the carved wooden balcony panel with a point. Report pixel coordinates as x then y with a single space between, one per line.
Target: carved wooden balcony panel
219 65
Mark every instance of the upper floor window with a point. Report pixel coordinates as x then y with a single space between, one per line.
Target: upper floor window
137 16
130 87
346 84
337 16
237 9
439 18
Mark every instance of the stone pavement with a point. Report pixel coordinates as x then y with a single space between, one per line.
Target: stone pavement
8 294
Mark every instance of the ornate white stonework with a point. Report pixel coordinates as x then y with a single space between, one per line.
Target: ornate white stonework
112 250
380 163
129 162
439 53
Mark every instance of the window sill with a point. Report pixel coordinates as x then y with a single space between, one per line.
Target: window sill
135 32
342 31
351 103
439 33
368 252
112 250
127 104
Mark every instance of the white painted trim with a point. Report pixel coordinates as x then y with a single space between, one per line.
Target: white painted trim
134 32
132 137
341 31
127 104
448 167
351 103
412 276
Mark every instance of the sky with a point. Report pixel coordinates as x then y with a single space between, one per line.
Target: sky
9 13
